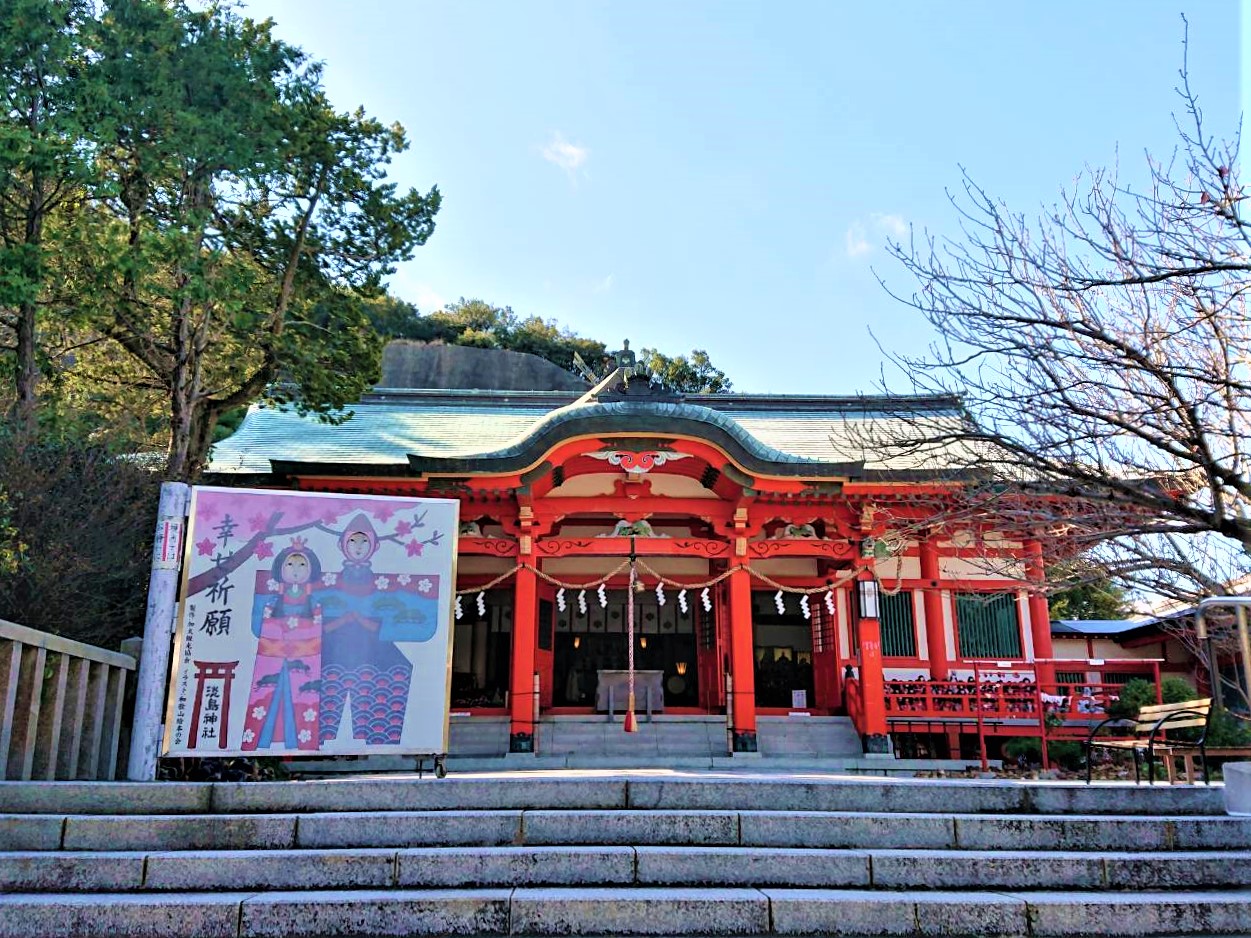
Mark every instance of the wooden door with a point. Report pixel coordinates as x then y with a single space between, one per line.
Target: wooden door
827 684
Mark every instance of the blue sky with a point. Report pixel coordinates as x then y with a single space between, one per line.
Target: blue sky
724 175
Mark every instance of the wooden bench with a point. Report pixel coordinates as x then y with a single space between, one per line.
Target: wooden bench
1188 758
1147 736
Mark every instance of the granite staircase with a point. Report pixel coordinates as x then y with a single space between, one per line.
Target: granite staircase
640 853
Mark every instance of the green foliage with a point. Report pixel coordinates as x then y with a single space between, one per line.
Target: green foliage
1098 599
693 375
1226 730
45 88
1134 695
1064 753
75 539
1174 689
231 227
1139 693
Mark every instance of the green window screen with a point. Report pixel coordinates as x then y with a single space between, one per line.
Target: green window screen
899 634
1124 677
1070 677
987 625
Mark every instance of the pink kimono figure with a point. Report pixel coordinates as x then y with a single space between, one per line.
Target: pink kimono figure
284 703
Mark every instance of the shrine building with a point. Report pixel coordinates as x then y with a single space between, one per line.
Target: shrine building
783 572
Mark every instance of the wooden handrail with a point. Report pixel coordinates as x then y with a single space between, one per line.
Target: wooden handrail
64 646
60 706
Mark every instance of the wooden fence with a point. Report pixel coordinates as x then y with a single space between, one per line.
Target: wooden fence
60 706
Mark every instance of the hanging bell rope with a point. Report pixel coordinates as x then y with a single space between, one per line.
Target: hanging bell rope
630 724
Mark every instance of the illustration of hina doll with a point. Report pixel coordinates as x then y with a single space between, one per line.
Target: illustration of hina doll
284 703
365 614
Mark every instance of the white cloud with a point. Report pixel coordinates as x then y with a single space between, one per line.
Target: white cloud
424 297
893 225
568 156
862 238
857 244
604 285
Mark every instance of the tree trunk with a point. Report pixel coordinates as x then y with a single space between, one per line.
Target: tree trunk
26 404
200 438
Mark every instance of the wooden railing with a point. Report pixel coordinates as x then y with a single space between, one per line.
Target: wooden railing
60 706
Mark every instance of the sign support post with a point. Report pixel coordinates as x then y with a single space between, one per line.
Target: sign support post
158 630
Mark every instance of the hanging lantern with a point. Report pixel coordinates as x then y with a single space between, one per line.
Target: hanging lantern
869 598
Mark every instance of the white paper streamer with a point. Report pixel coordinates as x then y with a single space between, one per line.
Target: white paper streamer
603 596
829 601
582 601
779 602
560 599
803 606
459 611
682 602
481 605
660 594
706 600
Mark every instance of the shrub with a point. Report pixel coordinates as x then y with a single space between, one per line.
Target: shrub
1135 695
1064 753
1176 689
76 528
1226 731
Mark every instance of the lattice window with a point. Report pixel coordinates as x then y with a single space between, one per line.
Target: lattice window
899 631
823 625
1124 677
987 625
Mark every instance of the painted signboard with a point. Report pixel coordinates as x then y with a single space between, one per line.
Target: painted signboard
313 623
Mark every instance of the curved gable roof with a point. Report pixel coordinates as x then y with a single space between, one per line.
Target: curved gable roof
660 418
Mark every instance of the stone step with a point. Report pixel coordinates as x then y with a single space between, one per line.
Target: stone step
466 867
893 830
607 789
621 911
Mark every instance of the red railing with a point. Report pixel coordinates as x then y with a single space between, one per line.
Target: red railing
996 699
1010 696
855 710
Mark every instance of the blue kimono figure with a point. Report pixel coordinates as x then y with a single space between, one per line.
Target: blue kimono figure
364 615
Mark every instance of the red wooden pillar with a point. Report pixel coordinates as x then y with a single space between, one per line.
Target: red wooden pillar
742 663
935 626
1039 616
521 677
872 680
